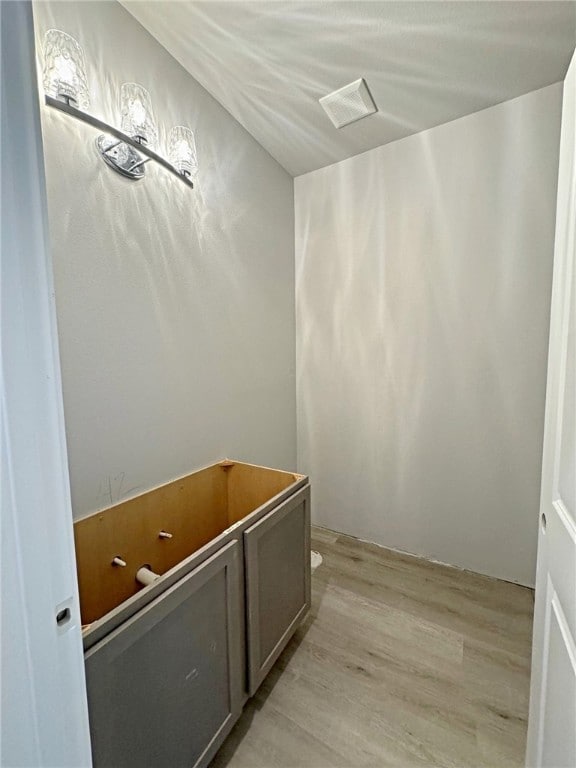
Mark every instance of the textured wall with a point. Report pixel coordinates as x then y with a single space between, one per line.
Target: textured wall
423 273
175 308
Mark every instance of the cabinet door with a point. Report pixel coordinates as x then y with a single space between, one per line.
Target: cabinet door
277 560
164 689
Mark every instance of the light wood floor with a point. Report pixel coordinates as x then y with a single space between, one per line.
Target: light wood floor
401 663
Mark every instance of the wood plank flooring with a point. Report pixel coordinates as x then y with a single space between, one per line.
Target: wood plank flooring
401 662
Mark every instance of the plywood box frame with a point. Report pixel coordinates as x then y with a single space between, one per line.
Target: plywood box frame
202 511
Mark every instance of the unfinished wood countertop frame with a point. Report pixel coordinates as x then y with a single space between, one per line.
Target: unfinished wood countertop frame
241 515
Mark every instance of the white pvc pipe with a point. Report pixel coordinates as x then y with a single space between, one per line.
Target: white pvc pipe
145 576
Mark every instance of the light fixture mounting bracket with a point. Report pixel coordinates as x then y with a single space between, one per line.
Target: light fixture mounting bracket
121 157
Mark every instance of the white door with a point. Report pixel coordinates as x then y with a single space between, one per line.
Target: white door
43 709
552 721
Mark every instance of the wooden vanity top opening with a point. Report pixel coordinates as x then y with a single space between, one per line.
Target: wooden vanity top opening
195 509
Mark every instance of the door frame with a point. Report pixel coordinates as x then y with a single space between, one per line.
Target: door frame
556 568
44 717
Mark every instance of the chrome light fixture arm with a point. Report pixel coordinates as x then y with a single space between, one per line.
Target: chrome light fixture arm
107 147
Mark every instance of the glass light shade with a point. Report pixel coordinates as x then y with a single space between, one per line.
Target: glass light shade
137 116
182 151
65 69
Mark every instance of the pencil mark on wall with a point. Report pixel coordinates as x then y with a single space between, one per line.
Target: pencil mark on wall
112 490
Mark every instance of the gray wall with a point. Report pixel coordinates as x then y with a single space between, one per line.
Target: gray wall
423 274
175 308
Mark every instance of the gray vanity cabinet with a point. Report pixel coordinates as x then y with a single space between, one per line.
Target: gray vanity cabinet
170 665
165 687
277 567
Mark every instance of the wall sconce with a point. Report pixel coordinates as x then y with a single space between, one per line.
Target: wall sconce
65 70
137 122
128 149
182 151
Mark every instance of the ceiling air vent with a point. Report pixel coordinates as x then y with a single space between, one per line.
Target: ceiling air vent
348 104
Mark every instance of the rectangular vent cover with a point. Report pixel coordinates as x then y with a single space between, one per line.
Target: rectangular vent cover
348 104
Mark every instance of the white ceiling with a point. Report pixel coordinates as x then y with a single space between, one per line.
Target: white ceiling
425 63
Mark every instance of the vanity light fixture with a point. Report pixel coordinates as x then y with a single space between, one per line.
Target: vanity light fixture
128 149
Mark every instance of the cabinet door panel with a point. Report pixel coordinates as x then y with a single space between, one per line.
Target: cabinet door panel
164 689
277 560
